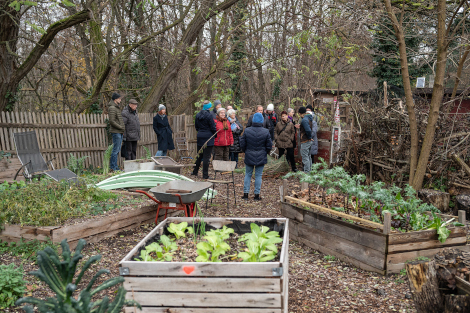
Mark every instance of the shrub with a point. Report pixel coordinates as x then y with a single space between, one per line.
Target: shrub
12 285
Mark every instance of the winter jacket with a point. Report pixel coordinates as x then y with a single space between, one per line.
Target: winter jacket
266 124
235 148
256 143
205 127
162 128
224 136
307 132
116 124
272 118
214 113
284 138
131 123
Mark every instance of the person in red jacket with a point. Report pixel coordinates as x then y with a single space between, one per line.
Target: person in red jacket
224 138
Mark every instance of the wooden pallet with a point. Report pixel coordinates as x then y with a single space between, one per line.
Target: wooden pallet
90 230
368 246
226 287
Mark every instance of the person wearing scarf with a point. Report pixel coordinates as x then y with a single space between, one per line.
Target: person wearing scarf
224 138
205 127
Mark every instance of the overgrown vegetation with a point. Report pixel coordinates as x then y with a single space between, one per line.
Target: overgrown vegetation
25 249
49 203
76 165
12 285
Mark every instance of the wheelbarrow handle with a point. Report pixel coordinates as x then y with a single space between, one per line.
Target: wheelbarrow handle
148 195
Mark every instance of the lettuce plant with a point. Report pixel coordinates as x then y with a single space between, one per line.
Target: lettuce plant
179 229
214 246
261 244
154 252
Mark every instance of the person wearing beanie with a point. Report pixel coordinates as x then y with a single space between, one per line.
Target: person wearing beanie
116 128
161 127
205 127
217 105
224 138
272 116
256 143
284 134
237 130
132 129
314 148
308 135
266 122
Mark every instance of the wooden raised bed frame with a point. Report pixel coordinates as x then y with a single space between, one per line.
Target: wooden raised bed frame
91 230
372 248
206 287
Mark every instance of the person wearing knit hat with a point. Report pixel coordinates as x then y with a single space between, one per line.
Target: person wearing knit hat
205 127
256 143
272 117
161 127
217 105
116 128
237 130
132 131
224 138
308 135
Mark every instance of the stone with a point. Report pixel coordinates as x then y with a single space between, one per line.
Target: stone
437 198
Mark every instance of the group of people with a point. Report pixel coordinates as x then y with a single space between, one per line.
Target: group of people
218 134
124 126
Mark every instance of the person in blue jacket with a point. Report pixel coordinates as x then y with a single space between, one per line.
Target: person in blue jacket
308 137
256 143
205 127
161 127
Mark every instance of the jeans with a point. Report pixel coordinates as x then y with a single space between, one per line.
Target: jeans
117 142
234 157
205 157
131 147
161 153
258 178
306 156
289 156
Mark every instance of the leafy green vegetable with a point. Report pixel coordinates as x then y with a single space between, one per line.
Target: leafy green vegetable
261 244
179 229
441 229
215 246
154 252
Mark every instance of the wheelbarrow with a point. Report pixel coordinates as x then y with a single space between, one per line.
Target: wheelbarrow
177 195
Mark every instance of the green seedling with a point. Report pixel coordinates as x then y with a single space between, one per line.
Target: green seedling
168 244
154 253
179 229
215 246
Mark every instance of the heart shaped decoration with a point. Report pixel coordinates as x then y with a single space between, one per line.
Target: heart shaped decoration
188 269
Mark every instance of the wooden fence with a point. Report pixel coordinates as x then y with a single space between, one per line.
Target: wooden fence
60 135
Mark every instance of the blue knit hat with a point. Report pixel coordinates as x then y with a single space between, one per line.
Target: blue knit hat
207 106
258 118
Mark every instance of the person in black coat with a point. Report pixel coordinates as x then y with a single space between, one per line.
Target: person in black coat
256 143
205 127
162 128
266 123
132 129
237 130
217 105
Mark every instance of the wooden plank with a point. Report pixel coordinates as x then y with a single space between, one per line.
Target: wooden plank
101 225
285 276
463 285
234 300
197 310
51 126
345 247
361 235
206 284
396 262
422 235
11 232
340 256
422 245
290 211
333 212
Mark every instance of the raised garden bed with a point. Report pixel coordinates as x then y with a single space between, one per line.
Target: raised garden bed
209 287
365 244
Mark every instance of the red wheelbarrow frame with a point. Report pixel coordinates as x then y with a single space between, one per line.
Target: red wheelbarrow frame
188 208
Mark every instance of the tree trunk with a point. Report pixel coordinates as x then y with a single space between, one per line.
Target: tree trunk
400 35
424 287
437 94
459 74
457 304
181 52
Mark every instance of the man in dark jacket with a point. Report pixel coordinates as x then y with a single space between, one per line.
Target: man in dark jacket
132 131
308 134
217 105
266 123
116 128
205 127
256 143
161 127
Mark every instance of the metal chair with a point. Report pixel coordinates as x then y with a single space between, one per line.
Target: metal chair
224 166
182 146
32 161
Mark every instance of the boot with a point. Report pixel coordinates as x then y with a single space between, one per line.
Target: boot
245 196
257 197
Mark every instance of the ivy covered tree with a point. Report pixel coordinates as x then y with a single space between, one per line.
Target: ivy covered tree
387 59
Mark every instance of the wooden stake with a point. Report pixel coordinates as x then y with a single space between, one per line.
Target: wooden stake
424 287
304 185
284 189
387 223
462 218
371 164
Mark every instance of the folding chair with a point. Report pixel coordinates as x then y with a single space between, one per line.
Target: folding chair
182 146
224 166
32 161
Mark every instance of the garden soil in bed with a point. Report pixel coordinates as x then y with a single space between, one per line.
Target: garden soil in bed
316 283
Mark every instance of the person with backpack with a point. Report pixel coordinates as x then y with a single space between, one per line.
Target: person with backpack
308 135
284 134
